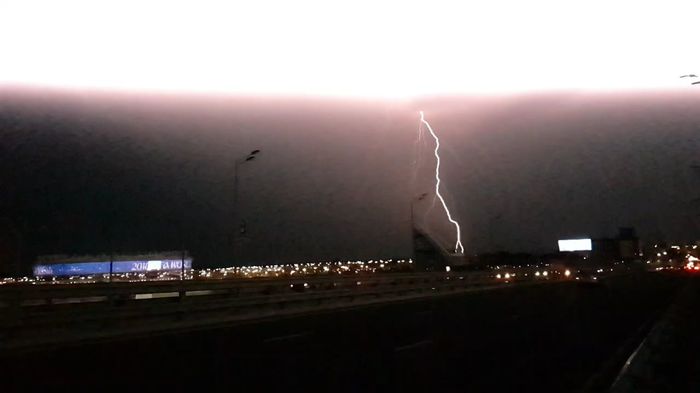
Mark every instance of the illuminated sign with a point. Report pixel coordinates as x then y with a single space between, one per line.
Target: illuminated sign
84 268
575 245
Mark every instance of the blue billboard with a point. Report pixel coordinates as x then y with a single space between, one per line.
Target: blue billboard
87 268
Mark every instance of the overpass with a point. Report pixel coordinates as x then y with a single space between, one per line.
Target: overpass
44 315
527 334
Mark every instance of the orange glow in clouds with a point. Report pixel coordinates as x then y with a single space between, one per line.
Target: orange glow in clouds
358 48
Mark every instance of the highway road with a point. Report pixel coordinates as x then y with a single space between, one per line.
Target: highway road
558 337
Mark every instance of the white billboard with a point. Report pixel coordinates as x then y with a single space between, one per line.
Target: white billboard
575 245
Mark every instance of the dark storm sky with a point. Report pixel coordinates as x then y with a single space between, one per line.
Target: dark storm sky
83 172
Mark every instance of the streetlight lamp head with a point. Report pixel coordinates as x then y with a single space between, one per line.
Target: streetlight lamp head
256 151
250 158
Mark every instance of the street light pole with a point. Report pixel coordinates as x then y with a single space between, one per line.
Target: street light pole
413 223
413 201
247 158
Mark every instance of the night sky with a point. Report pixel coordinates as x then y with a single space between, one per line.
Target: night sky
86 172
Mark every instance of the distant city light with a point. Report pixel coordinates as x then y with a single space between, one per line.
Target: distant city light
88 272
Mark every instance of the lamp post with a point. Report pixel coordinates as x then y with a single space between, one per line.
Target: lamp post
413 223
240 161
413 201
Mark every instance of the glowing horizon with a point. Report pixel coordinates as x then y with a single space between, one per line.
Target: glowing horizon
367 49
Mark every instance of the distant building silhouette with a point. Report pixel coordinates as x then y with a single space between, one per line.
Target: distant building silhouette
429 255
10 245
623 247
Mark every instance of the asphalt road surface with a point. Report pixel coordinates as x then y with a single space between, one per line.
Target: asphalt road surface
548 338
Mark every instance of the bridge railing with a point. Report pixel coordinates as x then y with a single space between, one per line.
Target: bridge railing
47 294
32 315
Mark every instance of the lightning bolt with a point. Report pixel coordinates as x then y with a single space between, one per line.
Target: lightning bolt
458 244
416 163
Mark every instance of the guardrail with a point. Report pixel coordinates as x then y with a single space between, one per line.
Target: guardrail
660 360
41 315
